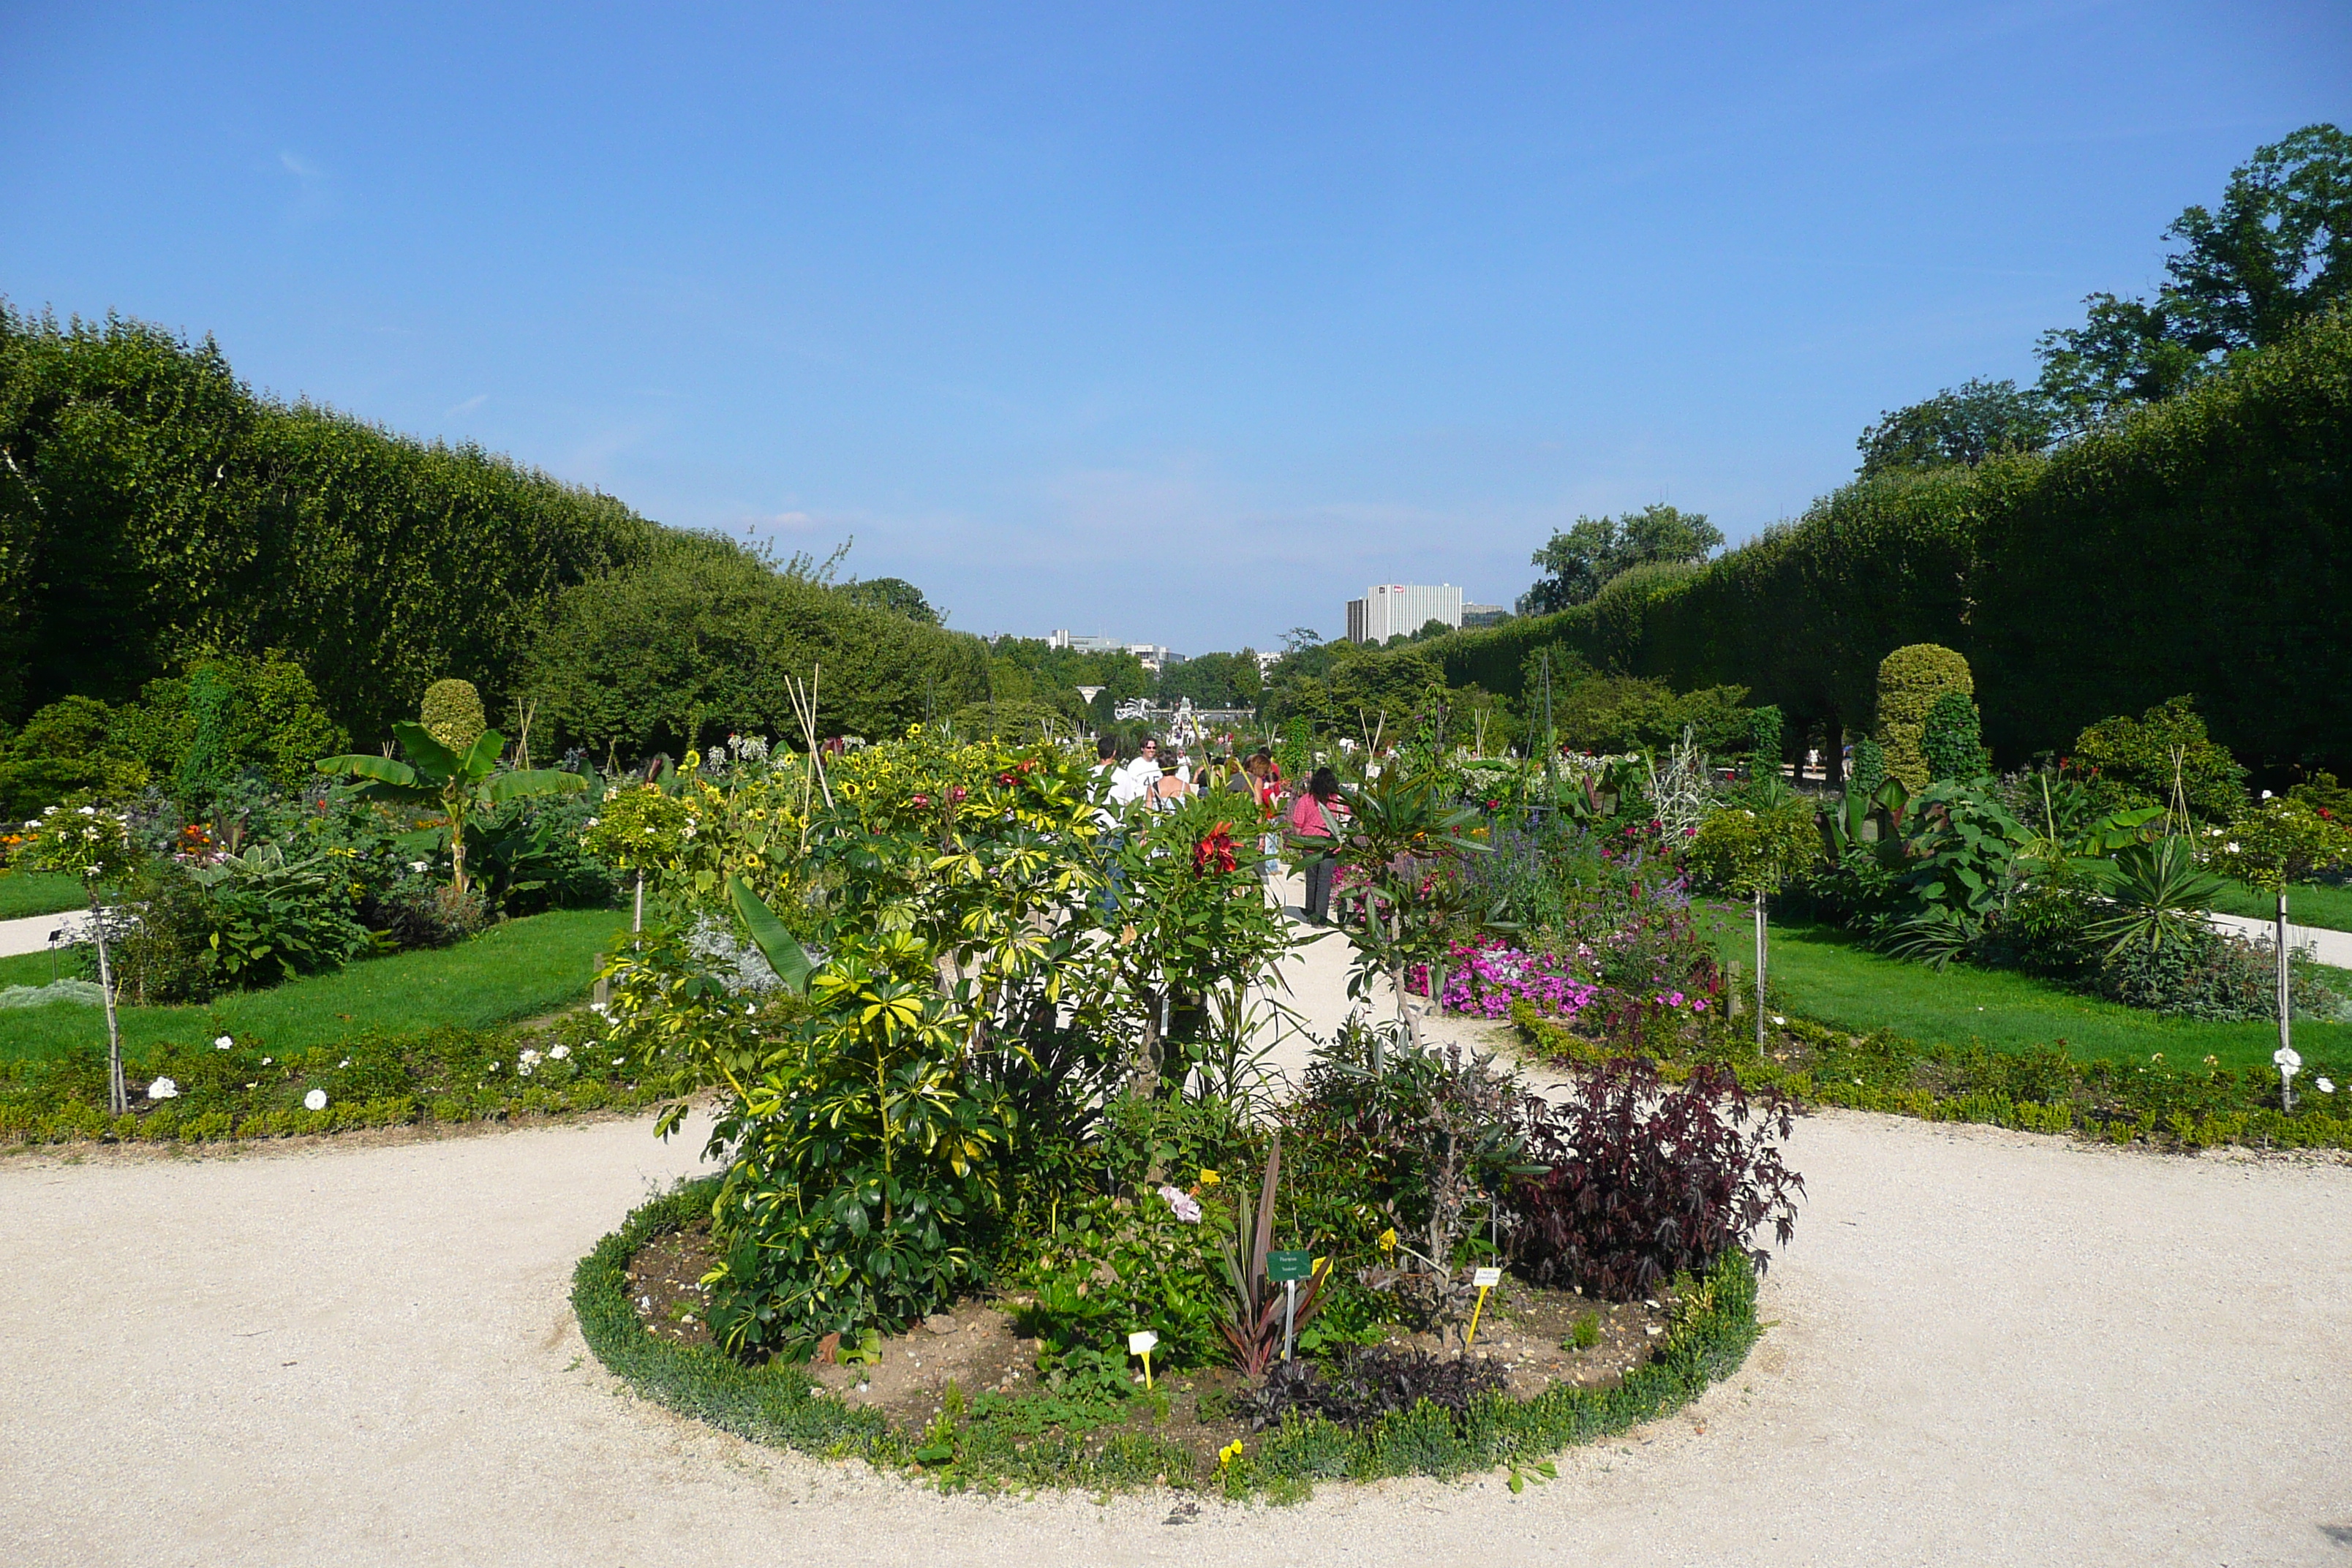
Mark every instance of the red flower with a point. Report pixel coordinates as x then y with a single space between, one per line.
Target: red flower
922 800
956 794
1214 852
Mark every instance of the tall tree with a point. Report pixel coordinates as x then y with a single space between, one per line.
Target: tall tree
2276 253
1577 562
1963 424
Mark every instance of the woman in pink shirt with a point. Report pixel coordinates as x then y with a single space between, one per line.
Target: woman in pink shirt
1316 814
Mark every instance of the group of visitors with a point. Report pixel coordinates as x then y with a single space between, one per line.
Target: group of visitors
1158 779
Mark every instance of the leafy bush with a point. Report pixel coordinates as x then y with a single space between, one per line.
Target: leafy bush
2210 975
1910 680
64 750
1645 1180
1869 768
416 913
227 718
2130 761
1951 739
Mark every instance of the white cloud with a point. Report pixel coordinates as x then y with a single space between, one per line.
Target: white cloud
300 168
467 406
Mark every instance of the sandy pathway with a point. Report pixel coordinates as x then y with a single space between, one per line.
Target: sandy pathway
1989 1348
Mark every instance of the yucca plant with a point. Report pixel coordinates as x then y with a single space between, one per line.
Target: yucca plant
2159 894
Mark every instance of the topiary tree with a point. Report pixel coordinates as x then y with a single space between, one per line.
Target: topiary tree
1951 739
1910 681
1755 853
451 714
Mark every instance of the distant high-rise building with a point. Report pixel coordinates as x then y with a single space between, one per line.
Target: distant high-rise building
1483 616
1387 609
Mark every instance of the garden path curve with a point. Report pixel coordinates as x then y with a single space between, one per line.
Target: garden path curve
1988 1347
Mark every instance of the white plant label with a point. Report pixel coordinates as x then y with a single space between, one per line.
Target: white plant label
1486 1279
1143 1342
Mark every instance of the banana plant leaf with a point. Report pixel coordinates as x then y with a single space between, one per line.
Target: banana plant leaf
537 781
768 934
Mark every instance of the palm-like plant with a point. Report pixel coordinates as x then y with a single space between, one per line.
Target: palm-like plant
462 785
2159 894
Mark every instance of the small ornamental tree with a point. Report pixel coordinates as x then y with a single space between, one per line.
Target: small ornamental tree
2279 843
94 844
1755 853
640 827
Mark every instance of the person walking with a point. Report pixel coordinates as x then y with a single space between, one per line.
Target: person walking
1316 815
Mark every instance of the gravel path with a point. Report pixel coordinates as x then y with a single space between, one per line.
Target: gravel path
1987 1348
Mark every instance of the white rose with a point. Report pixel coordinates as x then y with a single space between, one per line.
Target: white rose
315 1101
163 1088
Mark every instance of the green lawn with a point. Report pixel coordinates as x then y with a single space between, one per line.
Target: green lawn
39 893
2307 904
513 971
1822 973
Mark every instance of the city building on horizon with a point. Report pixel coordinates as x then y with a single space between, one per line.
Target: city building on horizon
1483 616
1389 609
1154 656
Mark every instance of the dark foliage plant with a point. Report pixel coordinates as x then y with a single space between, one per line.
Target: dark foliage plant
1365 1382
1645 1181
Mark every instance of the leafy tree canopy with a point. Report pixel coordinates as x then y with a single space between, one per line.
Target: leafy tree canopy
2276 253
1214 681
1963 424
1578 563
895 595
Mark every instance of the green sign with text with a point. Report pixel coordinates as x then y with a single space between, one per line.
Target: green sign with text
1283 1266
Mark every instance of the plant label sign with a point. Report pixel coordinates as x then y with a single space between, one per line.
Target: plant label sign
1282 1267
1486 1279
1143 1342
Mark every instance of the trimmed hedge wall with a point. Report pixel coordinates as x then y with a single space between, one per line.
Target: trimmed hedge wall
2203 545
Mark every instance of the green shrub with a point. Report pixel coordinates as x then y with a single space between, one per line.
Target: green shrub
1869 768
67 748
1950 739
1910 680
2131 762
2210 975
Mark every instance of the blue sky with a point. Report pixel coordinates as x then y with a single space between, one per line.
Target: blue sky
1179 323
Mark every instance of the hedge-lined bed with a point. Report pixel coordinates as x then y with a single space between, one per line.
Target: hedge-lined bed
373 1078
780 1404
2043 1089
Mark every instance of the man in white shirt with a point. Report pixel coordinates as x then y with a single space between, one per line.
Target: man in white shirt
1136 779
